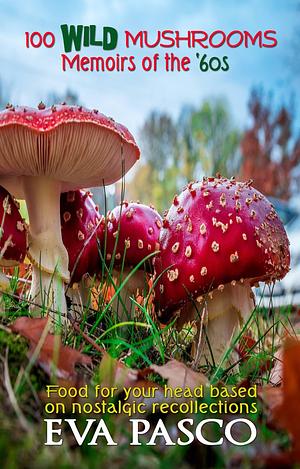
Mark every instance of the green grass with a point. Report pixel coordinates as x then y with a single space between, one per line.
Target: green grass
137 341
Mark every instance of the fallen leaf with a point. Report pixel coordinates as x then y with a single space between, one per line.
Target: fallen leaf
272 397
276 374
179 375
287 414
51 355
112 372
245 344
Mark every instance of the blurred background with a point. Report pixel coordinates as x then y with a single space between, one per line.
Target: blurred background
244 122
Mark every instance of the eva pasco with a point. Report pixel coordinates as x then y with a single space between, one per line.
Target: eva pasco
96 432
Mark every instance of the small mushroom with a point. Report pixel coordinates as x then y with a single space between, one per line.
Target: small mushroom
220 238
82 229
47 151
13 235
132 234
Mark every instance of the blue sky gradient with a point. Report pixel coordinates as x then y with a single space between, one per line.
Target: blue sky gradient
31 74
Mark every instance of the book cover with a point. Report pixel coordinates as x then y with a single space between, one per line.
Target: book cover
149 234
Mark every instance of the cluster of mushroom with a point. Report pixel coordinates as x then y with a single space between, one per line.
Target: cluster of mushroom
46 156
126 240
48 151
219 238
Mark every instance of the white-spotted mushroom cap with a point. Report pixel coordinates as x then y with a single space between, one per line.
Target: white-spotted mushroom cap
82 232
218 231
71 144
13 232
132 231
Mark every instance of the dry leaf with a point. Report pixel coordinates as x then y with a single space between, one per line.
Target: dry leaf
276 374
115 373
245 344
272 398
179 375
277 370
287 414
52 355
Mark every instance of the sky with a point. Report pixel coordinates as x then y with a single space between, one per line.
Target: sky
29 75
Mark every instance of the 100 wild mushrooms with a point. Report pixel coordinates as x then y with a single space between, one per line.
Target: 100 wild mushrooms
219 238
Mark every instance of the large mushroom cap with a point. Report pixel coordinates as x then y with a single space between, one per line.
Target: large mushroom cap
44 152
71 144
132 230
13 233
218 231
82 232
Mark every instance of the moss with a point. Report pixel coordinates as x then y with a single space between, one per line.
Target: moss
17 351
17 348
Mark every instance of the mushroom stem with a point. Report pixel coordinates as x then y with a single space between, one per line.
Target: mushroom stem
227 313
46 250
48 291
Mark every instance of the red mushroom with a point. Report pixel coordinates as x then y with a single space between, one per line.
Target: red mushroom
44 152
220 237
132 234
13 235
82 229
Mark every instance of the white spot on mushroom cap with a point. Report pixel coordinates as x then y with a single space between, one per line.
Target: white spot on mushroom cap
188 251
172 275
202 229
175 247
234 257
215 246
20 225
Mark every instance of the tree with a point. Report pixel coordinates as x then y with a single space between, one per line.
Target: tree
210 140
155 180
159 141
270 151
202 141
